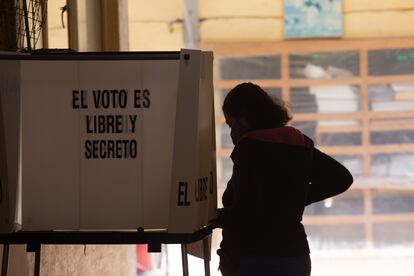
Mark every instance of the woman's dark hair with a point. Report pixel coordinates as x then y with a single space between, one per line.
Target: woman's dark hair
260 110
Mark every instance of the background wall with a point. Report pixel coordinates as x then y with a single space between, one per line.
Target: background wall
159 25
155 25
385 18
57 34
262 20
67 260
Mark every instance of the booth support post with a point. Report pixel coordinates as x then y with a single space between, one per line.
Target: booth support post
185 259
37 263
206 250
5 259
36 248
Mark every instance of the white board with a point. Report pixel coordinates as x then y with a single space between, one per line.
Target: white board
101 138
10 195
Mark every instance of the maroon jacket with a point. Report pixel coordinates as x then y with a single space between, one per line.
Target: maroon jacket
276 173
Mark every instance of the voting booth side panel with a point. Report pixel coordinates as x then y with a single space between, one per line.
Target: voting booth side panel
208 88
205 185
10 219
74 113
192 168
213 191
182 204
160 78
50 145
206 193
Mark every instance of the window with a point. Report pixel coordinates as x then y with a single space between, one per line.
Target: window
250 67
318 65
398 62
355 99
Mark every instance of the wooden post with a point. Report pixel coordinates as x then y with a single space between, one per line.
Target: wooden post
184 259
114 25
5 260
8 37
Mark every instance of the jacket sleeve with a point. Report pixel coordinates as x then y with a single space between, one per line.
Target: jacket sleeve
328 178
235 213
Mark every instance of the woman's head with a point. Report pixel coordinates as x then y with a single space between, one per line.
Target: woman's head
248 107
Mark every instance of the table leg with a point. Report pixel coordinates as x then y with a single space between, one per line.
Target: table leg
206 251
5 261
36 248
185 259
37 261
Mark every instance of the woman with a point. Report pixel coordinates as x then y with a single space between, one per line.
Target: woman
276 173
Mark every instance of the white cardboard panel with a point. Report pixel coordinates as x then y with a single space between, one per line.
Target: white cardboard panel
183 207
9 144
207 87
193 168
206 138
110 188
161 79
50 166
65 187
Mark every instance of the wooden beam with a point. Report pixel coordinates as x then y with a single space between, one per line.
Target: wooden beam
390 79
228 84
342 116
287 82
384 126
350 150
352 116
240 48
304 46
355 219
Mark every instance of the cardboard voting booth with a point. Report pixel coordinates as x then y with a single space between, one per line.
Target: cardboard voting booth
107 141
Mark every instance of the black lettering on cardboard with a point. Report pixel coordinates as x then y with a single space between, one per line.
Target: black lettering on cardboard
105 99
84 102
201 189
75 99
133 120
95 148
113 95
96 98
182 194
147 102
110 149
101 124
133 149
123 98
137 98
102 149
88 124
118 123
211 182
88 153
110 124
